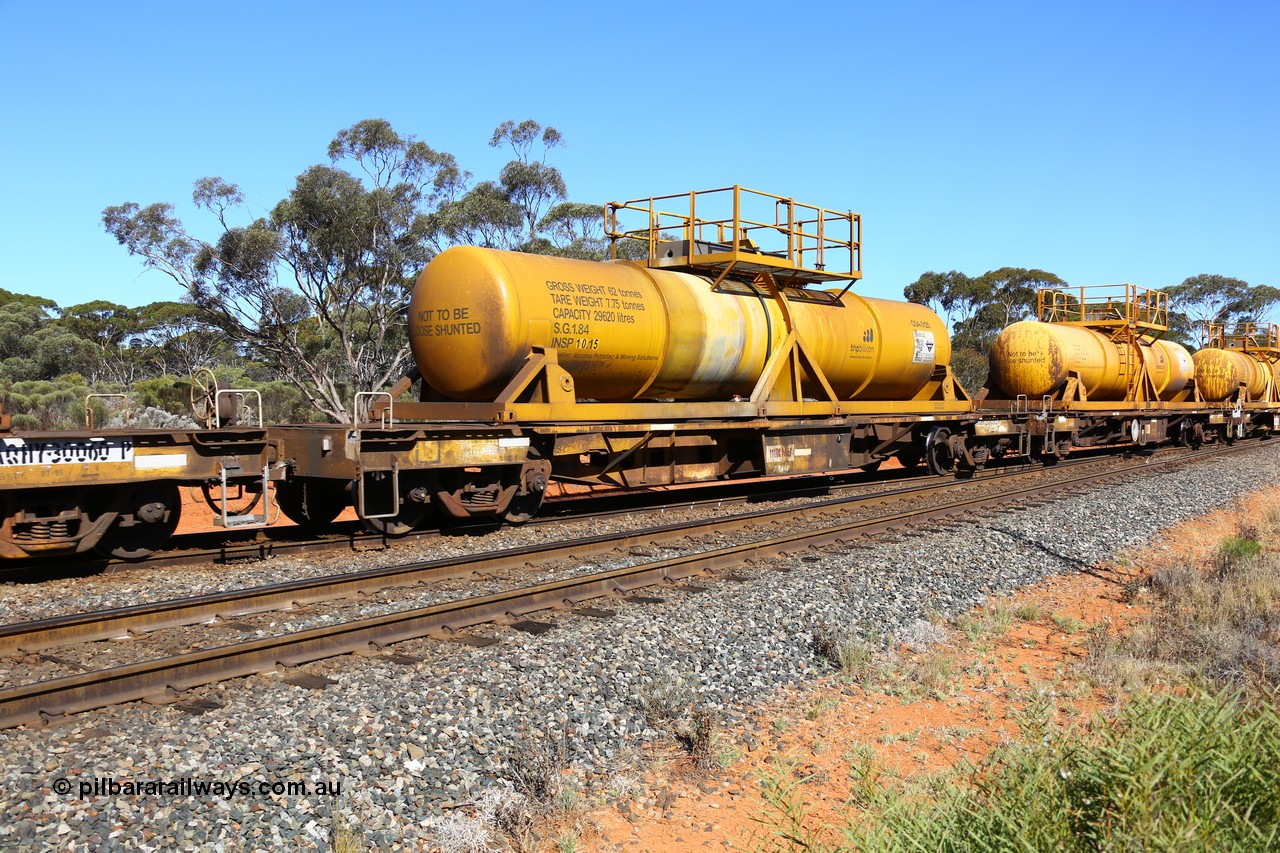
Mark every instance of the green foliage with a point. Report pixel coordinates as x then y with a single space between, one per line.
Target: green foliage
45 404
316 290
575 231
1237 548
1210 298
59 403
103 342
104 323
969 366
529 183
283 403
173 340
1196 771
485 217
163 392
34 343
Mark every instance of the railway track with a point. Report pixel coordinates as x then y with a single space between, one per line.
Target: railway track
166 678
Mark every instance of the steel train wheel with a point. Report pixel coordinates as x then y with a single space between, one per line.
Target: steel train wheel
409 518
937 454
155 509
527 500
311 504
524 507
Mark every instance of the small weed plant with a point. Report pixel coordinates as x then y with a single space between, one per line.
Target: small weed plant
847 651
664 699
702 737
1027 612
537 767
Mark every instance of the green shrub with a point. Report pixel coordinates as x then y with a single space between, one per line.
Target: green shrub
1193 772
1237 549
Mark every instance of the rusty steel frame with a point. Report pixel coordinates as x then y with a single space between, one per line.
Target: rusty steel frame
162 679
198 457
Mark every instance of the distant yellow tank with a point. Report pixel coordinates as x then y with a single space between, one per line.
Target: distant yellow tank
1034 359
1219 372
626 332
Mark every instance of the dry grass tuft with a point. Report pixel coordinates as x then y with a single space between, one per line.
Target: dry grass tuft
1218 623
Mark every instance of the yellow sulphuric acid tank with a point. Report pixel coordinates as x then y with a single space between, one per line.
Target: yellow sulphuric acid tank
1034 359
1219 372
626 332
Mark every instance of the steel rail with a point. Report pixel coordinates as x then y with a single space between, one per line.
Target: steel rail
163 678
133 620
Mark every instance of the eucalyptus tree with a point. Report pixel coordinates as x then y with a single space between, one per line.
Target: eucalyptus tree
531 184
318 287
976 308
512 212
173 340
1209 298
575 230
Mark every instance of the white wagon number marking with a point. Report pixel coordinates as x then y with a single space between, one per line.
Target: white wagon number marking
64 451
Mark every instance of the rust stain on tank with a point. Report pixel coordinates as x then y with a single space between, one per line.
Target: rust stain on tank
1057 366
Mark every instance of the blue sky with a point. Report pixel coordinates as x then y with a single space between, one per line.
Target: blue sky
1104 142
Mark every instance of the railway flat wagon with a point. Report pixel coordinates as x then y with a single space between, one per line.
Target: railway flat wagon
117 492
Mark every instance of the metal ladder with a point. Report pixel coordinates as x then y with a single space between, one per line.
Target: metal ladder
371 479
233 469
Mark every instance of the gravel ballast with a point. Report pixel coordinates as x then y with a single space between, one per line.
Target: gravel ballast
404 742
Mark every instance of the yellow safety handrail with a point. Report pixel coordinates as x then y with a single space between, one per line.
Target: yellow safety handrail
736 224
1105 306
1243 335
